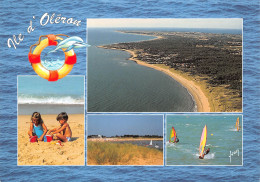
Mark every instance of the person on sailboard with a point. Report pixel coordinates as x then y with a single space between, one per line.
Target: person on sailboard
205 153
177 140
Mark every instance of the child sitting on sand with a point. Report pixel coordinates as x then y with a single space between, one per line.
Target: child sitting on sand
64 132
37 127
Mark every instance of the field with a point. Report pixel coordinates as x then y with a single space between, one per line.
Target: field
108 153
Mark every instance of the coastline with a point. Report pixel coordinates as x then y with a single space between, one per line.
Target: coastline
122 139
195 90
200 98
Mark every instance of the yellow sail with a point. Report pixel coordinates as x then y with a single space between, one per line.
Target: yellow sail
172 135
203 140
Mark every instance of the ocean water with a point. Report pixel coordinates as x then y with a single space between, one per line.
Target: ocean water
222 138
116 84
146 143
15 18
37 94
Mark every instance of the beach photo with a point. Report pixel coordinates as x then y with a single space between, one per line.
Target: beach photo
165 65
125 139
204 140
51 121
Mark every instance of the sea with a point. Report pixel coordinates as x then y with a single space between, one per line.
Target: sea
16 17
223 139
116 84
157 144
37 94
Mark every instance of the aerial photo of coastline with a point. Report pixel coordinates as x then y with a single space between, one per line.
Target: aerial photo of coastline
125 140
165 65
40 102
204 139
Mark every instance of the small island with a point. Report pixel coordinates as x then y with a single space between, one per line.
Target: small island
208 65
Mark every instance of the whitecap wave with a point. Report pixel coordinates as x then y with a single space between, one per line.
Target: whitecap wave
66 100
233 129
208 156
170 144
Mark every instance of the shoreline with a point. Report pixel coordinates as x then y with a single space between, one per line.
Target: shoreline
196 92
143 34
199 97
122 139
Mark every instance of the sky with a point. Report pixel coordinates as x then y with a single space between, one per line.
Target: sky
111 125
222 23
35 85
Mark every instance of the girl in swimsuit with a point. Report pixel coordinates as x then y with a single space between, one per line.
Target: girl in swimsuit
37 127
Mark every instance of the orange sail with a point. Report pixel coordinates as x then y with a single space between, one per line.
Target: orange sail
237 124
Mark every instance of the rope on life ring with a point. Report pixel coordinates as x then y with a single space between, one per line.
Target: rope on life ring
35 58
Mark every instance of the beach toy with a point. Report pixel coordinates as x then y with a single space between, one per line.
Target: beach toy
33 139
59 143
49 138
35 58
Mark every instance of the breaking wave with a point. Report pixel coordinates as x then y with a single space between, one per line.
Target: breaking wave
66 100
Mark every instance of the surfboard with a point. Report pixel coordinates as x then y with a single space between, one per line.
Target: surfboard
172 135
237 124
203 140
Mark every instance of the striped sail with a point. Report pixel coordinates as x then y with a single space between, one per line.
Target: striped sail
172 135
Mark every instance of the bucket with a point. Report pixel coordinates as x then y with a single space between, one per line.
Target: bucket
49 138
33 139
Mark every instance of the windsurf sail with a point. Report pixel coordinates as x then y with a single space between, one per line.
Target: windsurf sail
203 140
151 142
172 135
237 124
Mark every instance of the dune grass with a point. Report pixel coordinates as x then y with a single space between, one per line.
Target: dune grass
107 153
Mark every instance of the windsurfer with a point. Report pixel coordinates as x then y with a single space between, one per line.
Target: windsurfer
205 153
177 140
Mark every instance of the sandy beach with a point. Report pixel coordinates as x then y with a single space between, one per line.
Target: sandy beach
194 89
202 101
49 153
208 96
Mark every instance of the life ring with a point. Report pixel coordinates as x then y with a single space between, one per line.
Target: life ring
35 58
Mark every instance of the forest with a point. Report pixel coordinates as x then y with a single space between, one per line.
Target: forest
217 56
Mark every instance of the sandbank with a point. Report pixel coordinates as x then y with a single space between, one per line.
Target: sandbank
49 153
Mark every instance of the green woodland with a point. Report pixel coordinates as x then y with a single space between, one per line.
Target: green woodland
216 56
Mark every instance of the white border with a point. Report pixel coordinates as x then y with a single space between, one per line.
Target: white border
84 120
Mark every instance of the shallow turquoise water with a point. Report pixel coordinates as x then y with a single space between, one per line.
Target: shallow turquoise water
222 139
